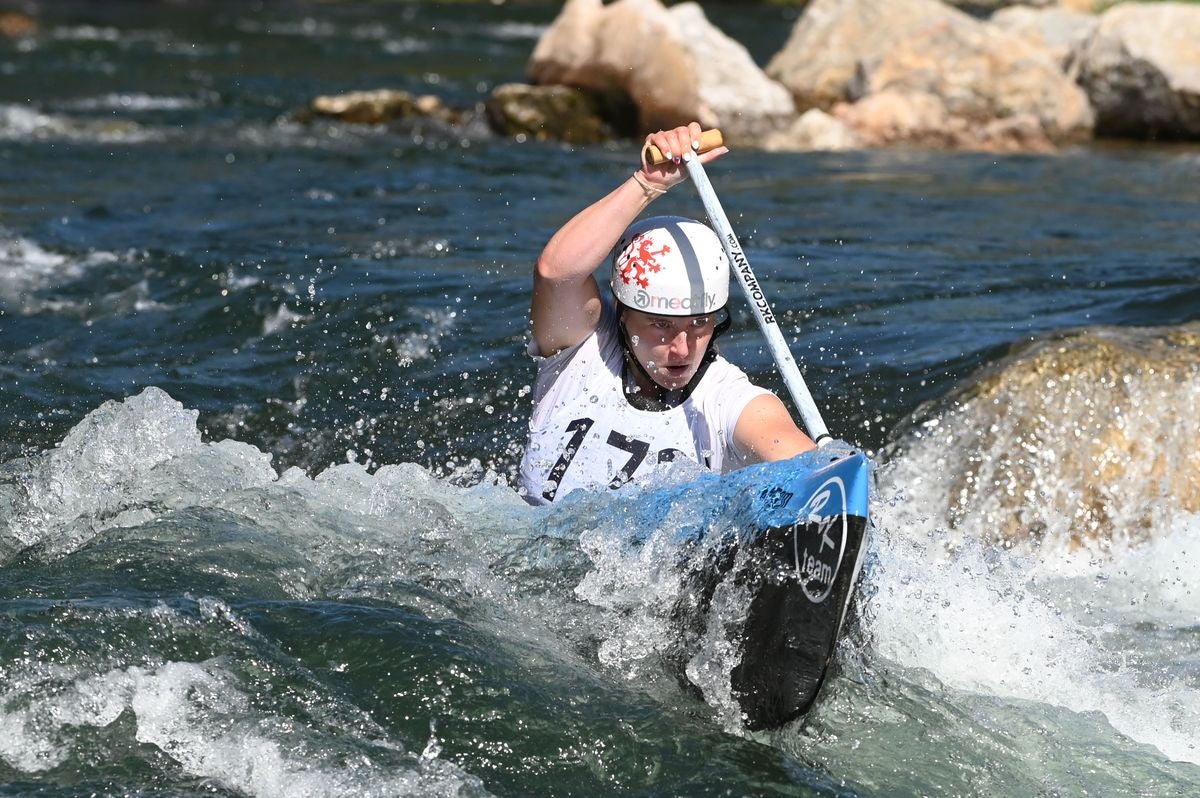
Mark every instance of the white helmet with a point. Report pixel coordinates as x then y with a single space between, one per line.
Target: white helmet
670 266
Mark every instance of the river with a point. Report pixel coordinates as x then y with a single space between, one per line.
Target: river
263 393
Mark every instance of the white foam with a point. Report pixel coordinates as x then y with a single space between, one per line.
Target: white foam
199 714
21 123
116 461
645 585
421 345
26 268
30 725
631 578
87 33
31 275
346 531
518 30
1000 622
134 101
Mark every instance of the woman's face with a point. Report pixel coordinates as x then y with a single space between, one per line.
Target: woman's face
670 348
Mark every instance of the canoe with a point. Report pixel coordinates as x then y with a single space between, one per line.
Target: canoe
809 543
798 556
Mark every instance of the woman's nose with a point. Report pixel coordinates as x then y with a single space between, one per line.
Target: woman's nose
679 342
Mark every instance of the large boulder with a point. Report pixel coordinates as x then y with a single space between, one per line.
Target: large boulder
1058 29
917 118
673 64
1085 6
812 130
929 74
1076 439
1141 71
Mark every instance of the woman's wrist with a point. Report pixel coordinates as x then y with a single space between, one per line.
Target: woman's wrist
650 190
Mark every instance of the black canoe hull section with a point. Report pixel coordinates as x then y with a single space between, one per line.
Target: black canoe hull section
797 557
788 641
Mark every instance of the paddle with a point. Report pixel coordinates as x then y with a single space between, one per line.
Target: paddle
784 361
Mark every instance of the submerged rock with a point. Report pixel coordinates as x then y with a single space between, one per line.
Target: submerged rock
673 64
1141 70
384 105
559 113
1079 439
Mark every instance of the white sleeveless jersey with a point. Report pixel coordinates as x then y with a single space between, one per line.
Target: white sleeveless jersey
585 434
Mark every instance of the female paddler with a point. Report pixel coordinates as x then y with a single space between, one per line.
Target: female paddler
627 383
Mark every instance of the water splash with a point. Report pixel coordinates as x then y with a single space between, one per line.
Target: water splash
1040 521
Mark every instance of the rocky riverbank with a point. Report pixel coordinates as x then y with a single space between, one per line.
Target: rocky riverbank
857 73
852 74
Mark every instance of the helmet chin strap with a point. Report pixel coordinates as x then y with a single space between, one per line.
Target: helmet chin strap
661 398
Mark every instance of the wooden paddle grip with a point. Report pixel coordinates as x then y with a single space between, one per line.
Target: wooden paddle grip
709 140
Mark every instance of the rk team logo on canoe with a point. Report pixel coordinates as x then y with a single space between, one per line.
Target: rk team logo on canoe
820 539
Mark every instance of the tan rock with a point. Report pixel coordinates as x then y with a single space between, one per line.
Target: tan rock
1079 438
674 65
893 117
946 79
1141 71
14 24
917 118
813 130
1057 29
835 42
382 105
1084 6
991 6
984 75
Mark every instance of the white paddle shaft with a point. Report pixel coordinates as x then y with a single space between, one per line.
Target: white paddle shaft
784 361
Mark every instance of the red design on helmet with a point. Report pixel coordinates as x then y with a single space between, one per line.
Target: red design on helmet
638 260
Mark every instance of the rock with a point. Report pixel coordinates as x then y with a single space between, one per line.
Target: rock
947 79
1084 6
992 6
383 105
922 119
1059 30
813 130
14 24
1090 422
1141 71
674 65
559 113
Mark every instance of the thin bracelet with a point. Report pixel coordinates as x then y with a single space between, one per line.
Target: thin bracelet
650 191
